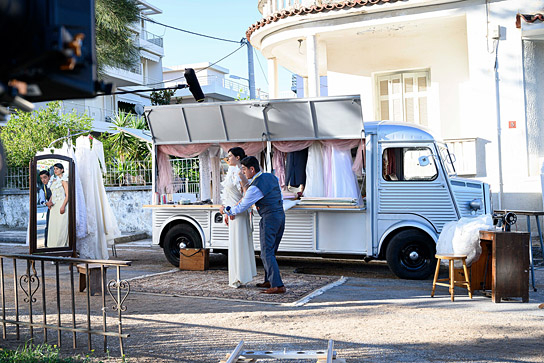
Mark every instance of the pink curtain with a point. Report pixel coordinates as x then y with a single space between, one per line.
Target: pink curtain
359 162
250 148
164 182
282 147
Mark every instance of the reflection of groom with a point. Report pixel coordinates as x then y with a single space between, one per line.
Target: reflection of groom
44 177
264 191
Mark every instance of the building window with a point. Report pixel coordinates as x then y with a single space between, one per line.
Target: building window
403 96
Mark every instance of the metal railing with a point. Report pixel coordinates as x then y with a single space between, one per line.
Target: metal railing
186 175
27 285
129 173
225 83
152 38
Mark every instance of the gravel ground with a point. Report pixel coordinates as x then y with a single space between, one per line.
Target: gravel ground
372 317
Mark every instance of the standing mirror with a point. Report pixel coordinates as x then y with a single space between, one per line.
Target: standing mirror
52 205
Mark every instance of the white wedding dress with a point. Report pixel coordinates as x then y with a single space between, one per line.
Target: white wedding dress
102 225
242 266
57 231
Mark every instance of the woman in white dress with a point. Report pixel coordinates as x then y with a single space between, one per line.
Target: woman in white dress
241 256
57 231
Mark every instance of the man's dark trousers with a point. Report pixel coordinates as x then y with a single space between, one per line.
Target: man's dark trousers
271 229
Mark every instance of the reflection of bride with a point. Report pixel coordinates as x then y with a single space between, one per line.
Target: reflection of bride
241 257
57 234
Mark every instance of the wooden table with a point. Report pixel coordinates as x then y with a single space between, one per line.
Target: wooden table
536 215
503 265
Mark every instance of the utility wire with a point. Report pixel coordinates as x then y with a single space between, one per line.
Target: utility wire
256 56
190 32
214 63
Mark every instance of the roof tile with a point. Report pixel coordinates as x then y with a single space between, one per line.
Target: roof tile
313 10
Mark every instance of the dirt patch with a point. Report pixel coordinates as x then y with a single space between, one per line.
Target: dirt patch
213 283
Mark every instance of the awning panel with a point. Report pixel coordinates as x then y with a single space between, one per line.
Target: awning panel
279 120
341 119
243 123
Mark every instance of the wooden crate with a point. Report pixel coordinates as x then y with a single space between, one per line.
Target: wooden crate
194 259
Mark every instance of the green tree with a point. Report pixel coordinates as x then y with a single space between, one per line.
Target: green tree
162 97
123 145
128 154
116 45
27 133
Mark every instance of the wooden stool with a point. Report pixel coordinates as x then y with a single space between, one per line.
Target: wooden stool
95 280
452 283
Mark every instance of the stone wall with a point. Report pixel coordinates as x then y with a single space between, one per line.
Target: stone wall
126 202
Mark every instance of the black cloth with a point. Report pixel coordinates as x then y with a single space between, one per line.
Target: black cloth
295 168
48 195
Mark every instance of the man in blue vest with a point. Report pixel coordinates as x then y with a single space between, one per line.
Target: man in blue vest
264 191
45 199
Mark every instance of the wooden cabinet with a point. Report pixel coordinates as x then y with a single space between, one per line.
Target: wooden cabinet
503 265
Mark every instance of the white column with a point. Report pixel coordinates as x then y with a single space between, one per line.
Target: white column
273 78
313 70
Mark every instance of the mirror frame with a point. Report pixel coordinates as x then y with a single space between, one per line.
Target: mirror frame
70 250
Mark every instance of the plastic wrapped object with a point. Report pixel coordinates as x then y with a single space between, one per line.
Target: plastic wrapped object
462 237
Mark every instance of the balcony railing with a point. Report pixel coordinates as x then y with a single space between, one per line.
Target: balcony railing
222 82
267 7
152 38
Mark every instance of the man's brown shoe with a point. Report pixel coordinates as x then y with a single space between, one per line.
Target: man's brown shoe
263 285
275 290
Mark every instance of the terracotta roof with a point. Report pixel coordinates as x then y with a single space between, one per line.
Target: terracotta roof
313 10
529 18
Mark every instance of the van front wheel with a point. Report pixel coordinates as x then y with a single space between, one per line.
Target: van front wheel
410 255
180 236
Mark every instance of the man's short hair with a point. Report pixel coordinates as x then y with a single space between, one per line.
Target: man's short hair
44 172
251 161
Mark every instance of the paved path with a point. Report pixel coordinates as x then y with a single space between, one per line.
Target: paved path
373 317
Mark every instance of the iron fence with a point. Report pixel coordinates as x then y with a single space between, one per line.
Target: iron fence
46 286
129 173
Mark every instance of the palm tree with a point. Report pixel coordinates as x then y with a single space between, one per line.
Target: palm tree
128 148
115 43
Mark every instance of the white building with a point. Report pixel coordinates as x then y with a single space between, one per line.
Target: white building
469 70
216 83
147 74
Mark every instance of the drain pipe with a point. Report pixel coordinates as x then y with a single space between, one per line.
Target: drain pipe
499 130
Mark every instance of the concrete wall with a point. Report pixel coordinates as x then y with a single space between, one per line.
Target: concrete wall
126 203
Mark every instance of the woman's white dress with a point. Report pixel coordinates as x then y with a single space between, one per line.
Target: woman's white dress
102 225
242 266
57 231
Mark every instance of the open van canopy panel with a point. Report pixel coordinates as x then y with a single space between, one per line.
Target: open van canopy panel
246 121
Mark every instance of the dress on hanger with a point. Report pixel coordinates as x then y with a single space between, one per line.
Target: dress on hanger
314 172
57 230
101 222
242 266
340 181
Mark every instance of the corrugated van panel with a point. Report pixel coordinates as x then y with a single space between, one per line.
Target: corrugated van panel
428 199
466 194
161 215
299 234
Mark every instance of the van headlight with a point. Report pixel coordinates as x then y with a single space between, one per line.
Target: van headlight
475 205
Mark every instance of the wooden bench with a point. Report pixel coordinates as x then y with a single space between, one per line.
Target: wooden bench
95 281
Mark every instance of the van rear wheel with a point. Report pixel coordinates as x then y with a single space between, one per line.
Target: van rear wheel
410 255
180 236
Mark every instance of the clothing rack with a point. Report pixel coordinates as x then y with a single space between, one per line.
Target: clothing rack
68 137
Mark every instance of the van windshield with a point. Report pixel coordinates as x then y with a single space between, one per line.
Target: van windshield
447 159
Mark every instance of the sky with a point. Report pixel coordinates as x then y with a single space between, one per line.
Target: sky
219 18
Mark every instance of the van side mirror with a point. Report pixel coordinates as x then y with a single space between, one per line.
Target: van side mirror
423 160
